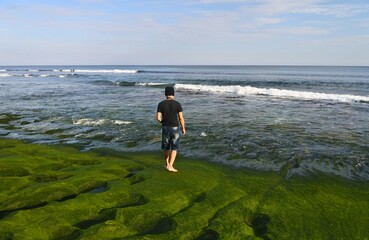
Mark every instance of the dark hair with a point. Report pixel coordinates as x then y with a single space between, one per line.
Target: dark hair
169 91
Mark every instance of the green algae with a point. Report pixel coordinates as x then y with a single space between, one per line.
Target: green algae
57 192
8 117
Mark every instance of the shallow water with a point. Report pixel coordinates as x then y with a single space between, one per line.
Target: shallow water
300 120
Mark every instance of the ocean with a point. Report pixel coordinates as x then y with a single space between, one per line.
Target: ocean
298 120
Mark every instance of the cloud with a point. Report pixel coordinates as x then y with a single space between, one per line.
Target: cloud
180 27
303 31
355 40
337 10
278 7
59 11
269 21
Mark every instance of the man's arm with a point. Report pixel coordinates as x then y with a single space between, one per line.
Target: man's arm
182 121
159 117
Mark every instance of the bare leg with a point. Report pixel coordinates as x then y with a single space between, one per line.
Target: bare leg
166 156
172 158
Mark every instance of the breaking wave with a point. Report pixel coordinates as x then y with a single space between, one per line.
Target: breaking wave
5 75
127 71
274 92
99 122
129 84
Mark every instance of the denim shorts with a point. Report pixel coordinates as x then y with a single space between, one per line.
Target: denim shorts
170 138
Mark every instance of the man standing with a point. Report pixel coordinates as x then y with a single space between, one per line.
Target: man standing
168 113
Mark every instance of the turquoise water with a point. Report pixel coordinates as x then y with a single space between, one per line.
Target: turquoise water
300 120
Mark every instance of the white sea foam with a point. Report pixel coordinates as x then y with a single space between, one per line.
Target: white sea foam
282 93
5 75
149 84
33 70
62 76
99 122
44 75
27 75
63 70
2 70
120 122
106 71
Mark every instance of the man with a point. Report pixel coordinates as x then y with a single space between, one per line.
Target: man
168 113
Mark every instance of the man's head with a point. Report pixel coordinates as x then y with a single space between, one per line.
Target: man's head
169 91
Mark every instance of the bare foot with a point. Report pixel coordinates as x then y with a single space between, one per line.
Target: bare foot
172 169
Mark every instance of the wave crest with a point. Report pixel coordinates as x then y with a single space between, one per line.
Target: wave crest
129 71
282 93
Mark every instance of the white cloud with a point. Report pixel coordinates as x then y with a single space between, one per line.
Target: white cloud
338 10
299 31
268 21
358 40
276 7
57 11
187 29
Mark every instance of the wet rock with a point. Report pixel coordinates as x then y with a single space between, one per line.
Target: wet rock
260 224
209 234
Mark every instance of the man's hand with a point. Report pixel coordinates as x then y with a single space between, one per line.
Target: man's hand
159 117
182 122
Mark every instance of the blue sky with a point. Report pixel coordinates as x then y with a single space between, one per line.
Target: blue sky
248 32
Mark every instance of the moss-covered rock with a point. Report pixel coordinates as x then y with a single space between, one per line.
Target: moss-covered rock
13 171
57 192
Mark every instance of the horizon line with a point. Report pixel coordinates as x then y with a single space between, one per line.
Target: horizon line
191 65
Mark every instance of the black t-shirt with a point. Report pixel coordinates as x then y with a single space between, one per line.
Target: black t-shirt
169 110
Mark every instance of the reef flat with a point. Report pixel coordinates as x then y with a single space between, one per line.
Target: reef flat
58 192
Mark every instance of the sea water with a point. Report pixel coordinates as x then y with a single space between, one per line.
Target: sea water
294 119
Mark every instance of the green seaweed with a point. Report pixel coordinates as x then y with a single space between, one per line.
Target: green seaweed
13 171
8 117
53 131
57 192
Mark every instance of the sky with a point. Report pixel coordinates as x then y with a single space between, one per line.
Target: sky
184 32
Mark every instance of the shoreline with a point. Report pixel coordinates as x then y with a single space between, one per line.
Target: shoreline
55 192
